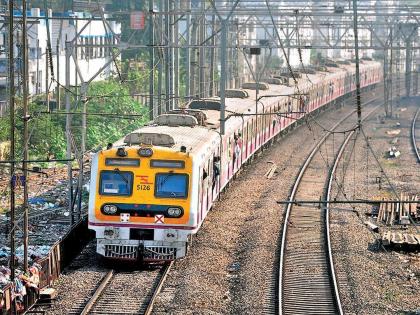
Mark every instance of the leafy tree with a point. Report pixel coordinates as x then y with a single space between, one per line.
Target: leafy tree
114 98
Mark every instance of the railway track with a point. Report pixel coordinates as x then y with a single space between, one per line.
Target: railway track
126 292
413 135
307 282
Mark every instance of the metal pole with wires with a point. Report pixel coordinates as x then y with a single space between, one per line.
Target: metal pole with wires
12 138
356 50
151 61
223 75
25 136
68 134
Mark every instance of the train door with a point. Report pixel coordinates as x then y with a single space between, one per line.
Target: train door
209 191
204 189
216 174
248 138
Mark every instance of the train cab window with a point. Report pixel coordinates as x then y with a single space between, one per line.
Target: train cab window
171 185
116 183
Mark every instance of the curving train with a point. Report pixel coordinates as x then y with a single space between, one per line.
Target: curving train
151 191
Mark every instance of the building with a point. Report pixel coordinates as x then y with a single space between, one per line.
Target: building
63 28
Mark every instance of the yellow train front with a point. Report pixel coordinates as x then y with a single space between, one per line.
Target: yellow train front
139 205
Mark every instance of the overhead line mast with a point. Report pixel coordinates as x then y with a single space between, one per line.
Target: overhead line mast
356 50
24 46
12 140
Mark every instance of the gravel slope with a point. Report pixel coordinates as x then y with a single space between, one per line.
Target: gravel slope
371 280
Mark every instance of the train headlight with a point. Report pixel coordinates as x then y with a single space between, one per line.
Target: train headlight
145 152
174 212
110 209
121 152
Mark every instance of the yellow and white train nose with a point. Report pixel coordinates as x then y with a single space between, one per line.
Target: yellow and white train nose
140 203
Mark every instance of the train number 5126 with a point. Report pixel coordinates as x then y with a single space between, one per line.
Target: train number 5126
143 187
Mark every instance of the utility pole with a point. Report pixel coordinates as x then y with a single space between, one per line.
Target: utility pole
12 139
167 58
356 50
176 55
187 51
212 58
152 61
161 59
25 136
201 35
223 49
68 134
171 19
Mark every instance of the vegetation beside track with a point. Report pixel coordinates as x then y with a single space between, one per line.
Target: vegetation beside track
47 131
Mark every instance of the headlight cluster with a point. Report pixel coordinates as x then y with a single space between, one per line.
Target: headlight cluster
110 209
174 212
145 152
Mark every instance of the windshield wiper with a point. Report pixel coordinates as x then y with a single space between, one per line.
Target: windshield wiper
122 175
165 179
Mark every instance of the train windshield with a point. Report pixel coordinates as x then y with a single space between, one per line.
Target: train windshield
170 185
116 183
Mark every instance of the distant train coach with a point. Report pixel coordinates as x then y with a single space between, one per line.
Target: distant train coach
151 191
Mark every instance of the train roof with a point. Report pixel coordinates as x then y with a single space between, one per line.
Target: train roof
195 136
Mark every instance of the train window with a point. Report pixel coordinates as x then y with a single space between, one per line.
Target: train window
118 183
171 185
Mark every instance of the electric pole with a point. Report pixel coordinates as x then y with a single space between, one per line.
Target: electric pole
12 139
68 133
152 61
356 50
25 136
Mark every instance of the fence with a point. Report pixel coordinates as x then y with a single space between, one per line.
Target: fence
59 256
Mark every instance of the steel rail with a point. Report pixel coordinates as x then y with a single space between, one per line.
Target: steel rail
413 135
156 292
286 222
327 209
91 303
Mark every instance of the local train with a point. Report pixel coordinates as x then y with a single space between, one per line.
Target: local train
151 191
